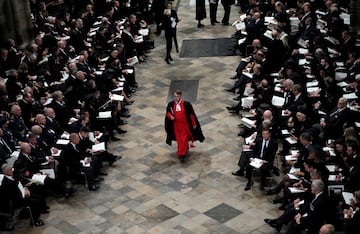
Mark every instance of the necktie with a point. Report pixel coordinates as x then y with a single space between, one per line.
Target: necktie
263 149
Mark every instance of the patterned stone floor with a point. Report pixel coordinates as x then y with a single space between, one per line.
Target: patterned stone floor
149 191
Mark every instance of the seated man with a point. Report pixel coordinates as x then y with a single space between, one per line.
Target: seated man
85 147
334 122
265 149
305 214
15 196
73 162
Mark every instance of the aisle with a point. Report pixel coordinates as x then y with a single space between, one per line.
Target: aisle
149 191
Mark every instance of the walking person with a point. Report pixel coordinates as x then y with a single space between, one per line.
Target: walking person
227 7
200 12
182 125
213 9
169 22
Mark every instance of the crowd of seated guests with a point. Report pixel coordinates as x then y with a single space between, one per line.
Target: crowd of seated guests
297 86
64 96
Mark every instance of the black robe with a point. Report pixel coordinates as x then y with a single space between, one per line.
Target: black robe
169 124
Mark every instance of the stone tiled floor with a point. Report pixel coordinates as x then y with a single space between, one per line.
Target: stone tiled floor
149 191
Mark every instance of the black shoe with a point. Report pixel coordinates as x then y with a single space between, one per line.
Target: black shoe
8 227
230 108
120 131
98 180
114 138
276 226
234 77
122 122
241 133
283 206
38 223
270 192
167 61
233 112
117 157
200 25
125 114
277 200
44 211
273 223
103 173
212 23
217 21
93 188
182 158
268 221
247 187
238 173
262 187
232 90
177 50
276 171
226 24
237 98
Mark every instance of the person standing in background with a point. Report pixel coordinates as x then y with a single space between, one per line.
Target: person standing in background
227 7
213 9
157 10
200 12
182 125
169 22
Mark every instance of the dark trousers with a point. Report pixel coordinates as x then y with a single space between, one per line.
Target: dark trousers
213 10
264 172
244 159
226 17
169 38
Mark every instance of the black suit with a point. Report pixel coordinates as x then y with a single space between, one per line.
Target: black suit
63 113
352 225
266 153
213 9
129 44
71 166
25 167
335 122
227 8
5 152
298 103
317 211
12 198
53 125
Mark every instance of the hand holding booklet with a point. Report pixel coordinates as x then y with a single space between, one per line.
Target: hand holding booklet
38 178
256 162
134 60
98 147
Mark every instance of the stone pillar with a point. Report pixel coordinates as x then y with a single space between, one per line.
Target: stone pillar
15 21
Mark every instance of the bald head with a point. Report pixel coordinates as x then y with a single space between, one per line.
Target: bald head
267 115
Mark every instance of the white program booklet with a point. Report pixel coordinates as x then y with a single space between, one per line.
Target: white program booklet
48 172
256 162
38 179
98 147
